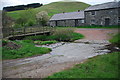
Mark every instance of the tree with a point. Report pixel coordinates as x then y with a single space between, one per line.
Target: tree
21 21
7 21
42 18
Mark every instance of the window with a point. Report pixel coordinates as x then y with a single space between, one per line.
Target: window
118 19
82 21
93 13
92 21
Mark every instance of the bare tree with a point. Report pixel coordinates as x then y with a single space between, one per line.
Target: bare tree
7 21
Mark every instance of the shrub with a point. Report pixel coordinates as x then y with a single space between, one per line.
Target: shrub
62 34
48 42
37 42
28 41
4 42
67 34
30 23
44 42
39 37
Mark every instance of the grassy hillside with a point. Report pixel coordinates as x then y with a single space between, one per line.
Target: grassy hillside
58 7
55 7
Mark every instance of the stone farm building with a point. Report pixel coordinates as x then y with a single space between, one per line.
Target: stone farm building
68 19
102 14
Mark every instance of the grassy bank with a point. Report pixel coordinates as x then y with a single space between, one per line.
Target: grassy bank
61 34
44 42
98 27
25 49
115 40
104 66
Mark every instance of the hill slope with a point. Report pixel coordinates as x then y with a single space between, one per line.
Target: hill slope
59 7
54 8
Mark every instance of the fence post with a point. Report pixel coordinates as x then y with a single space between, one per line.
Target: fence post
43 29
12 32
24 30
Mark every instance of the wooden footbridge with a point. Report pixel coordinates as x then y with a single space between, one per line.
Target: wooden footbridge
18 33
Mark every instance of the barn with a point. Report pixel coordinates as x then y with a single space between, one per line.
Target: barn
105 14
71 19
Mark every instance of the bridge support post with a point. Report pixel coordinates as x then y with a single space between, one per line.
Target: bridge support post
24 30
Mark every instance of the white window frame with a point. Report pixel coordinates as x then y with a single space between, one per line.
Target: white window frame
82 21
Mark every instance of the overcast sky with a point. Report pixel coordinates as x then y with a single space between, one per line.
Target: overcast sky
4 3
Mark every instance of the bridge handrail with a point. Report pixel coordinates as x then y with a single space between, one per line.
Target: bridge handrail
25 30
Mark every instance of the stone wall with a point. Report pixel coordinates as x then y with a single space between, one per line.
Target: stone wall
70 23
67 23
52 23
100 15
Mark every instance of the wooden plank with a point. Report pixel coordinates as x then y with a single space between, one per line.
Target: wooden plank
28 34
26 31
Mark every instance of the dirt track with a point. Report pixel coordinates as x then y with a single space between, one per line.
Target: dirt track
97 34
60 58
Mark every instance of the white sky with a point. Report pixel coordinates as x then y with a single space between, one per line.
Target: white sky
4 3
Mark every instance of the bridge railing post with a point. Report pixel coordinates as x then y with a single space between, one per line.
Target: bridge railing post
24 30
13 32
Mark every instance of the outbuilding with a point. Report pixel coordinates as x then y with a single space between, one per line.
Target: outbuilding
71 19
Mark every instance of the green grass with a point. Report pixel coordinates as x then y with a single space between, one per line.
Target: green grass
104 27
116 40
98 26
27 50
54 8
45 42
104 66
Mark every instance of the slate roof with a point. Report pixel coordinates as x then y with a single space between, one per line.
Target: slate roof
70 15
104 6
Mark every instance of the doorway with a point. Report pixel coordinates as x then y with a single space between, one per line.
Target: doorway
76 23
56 23
107 21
